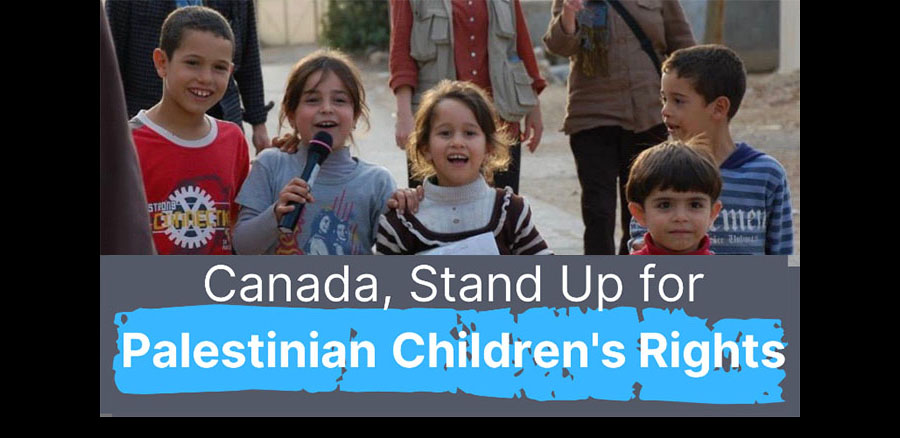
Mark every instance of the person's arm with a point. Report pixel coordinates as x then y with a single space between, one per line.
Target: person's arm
678 31
249 76
404 70
405 120
780 221
118 13
534 123
255 230
563 36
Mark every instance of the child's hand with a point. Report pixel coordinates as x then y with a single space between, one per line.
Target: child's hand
297 190
569 10
286 143
406 199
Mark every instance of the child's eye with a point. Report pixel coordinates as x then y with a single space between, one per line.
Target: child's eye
663 204
697 205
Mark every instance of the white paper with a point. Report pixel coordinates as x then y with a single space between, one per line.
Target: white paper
482 244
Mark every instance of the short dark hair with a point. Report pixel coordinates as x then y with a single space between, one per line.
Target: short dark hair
680 166
192 18
714 70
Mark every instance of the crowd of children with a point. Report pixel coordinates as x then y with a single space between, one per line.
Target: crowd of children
699 193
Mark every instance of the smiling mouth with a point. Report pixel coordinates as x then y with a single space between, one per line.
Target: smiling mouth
325 125
200 93
461 159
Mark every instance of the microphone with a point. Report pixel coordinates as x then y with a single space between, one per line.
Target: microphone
319 148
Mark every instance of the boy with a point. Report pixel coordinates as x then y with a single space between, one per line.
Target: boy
673 190
192 164
702 88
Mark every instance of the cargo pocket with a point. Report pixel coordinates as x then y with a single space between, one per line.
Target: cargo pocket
429 30
524 92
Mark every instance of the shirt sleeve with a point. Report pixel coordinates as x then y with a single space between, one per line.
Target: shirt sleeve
636 231
556 39
403 68
678 31
256 228
526 51
780 223
249 75
387 189
386 241
528 240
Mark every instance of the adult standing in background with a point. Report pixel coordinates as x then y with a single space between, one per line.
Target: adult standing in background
135 29
479 41
613 111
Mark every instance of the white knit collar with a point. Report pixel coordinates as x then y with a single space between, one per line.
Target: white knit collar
458 195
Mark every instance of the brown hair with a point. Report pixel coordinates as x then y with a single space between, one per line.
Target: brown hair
714 70
324 60
498 141
681 166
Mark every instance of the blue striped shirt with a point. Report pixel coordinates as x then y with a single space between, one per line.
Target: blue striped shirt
756 216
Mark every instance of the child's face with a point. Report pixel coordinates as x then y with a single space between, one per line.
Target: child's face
456 144
325 105
676 220
196 77
685 112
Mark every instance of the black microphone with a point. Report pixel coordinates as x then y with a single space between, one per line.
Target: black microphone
319 148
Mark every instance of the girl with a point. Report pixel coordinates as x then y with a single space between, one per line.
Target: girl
456 148
324 93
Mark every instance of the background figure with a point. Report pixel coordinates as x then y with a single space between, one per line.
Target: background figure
123 205
483 42
135 29
613 112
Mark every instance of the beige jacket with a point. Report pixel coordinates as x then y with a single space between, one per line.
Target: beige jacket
431 46
629 96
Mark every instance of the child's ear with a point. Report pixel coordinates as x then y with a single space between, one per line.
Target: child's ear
721 106
638 212
714 211
160 62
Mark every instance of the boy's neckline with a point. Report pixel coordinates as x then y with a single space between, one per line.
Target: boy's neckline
203 123
212 133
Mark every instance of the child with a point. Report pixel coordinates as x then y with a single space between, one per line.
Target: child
673 190
455 149
324 93
702 88
192 164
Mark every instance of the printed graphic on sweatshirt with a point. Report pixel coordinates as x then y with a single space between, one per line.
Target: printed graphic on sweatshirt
739 228
333 230
190 219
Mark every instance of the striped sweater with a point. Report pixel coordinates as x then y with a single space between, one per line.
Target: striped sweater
510 224
756 207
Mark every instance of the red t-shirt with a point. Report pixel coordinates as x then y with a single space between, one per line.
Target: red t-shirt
191 185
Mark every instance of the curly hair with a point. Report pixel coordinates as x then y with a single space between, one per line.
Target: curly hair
474 98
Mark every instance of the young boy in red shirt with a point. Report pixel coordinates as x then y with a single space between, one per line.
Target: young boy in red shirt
192 164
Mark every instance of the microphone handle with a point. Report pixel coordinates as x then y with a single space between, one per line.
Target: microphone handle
289 220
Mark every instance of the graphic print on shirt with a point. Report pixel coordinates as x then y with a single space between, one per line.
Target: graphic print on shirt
194 218
739 227
333 230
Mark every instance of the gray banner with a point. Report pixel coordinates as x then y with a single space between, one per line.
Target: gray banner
730 287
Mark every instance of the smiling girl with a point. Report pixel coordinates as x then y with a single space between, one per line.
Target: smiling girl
456 148
324 94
